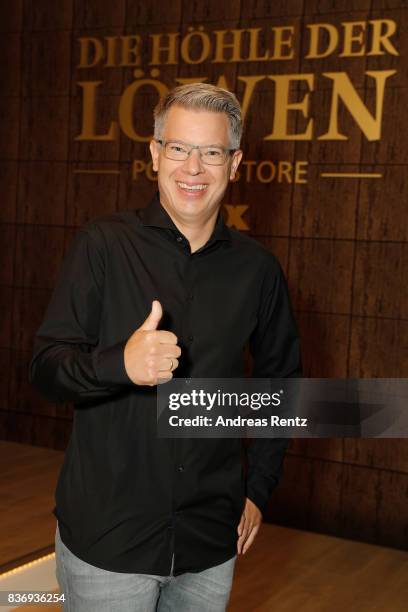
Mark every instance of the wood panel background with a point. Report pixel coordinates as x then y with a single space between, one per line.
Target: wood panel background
342 243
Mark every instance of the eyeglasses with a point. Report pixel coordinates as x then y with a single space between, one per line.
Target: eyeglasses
180 151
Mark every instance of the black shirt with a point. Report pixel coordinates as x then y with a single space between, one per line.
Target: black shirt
126 500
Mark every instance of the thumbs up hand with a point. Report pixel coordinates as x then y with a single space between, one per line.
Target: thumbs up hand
151 354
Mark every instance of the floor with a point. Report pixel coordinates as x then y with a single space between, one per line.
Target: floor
286 570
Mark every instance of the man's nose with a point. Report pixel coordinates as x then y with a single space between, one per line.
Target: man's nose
193 163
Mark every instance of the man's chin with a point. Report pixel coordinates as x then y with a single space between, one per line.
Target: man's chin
190 206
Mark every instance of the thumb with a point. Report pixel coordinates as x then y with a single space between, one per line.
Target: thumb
241 524
154 317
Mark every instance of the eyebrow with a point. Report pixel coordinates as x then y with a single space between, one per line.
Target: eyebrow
221 146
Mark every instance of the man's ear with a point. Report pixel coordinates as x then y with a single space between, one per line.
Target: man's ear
154 151
236 159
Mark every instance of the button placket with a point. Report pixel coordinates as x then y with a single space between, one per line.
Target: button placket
190 291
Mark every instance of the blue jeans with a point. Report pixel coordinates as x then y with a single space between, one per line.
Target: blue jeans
90 589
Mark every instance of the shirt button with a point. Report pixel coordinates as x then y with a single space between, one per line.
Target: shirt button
180 468
191 338
179 239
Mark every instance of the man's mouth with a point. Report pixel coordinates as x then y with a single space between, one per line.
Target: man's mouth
195 188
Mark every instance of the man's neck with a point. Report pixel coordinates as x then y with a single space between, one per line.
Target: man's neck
197 233
198 236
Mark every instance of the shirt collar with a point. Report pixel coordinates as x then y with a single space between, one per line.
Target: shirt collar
154 215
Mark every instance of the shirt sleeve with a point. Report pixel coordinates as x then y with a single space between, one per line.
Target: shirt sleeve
67 364
275 349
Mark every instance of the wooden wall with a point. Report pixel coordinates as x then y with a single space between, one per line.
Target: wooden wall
342 242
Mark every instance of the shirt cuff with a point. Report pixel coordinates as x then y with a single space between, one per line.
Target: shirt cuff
259 490
110 366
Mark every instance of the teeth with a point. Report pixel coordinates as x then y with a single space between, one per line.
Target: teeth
192 187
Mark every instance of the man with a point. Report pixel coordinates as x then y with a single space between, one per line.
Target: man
144 295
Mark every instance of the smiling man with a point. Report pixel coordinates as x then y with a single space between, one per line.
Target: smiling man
146 523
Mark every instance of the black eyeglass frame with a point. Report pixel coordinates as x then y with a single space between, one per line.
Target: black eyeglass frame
227 152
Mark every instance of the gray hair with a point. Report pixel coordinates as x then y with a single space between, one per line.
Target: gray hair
201 96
